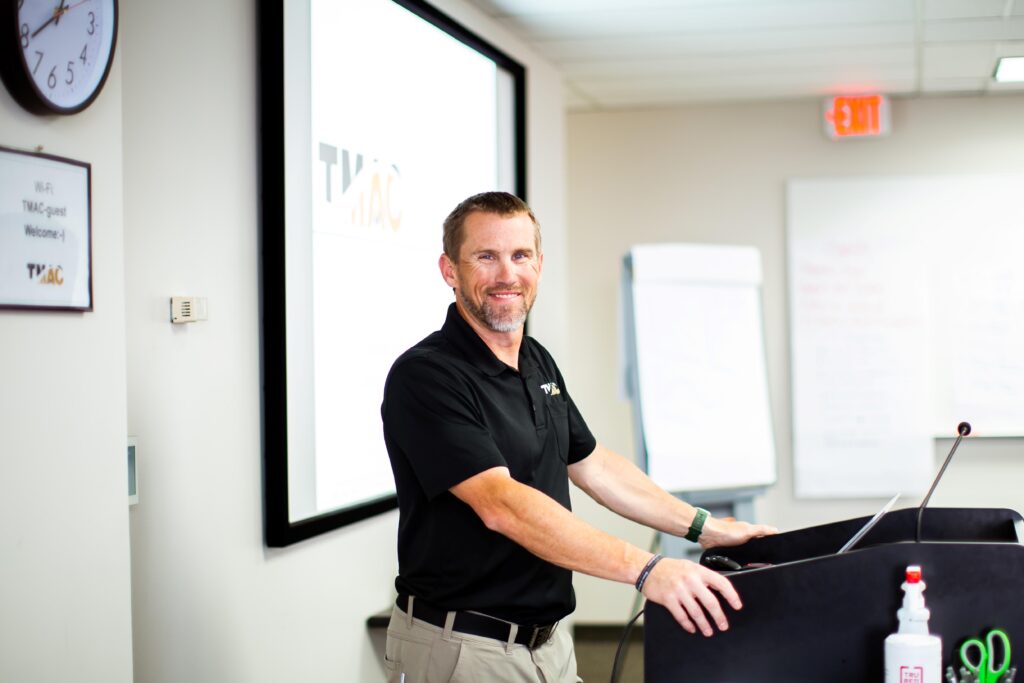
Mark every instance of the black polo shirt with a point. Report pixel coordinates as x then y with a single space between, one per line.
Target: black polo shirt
452 410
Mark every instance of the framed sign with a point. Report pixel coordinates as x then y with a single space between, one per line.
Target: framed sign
45 232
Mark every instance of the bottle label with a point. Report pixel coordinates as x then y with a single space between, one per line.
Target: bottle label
911 674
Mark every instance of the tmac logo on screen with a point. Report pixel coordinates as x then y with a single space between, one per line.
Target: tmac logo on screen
370 196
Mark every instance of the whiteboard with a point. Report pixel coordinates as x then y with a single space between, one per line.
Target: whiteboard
699 378
907 316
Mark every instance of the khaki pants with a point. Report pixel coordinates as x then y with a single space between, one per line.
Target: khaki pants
425 653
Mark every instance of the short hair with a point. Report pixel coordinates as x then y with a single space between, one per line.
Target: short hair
501 203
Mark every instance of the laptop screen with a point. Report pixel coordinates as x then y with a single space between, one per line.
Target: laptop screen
870 524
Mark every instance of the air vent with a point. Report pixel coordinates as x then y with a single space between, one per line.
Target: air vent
187 309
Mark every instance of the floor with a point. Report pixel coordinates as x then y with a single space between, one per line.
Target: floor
595 654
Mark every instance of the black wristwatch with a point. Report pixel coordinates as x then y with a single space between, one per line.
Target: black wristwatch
697 526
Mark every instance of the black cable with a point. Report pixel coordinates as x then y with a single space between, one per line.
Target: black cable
617 663
637 601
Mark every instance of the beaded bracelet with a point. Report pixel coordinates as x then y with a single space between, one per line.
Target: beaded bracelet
646 571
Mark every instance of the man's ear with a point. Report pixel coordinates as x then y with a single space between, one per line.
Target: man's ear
447 270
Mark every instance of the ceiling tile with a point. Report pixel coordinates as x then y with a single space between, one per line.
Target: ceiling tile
564 52
714 18
975 29
622 53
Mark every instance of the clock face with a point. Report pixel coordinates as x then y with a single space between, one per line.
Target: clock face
66 48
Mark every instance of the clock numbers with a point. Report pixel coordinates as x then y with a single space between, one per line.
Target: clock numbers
66 49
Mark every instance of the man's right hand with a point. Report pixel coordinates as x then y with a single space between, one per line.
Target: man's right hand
687 590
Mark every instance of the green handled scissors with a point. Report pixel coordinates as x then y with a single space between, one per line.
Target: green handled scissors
984 668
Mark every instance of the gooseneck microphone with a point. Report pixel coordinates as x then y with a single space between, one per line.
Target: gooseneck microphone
963 429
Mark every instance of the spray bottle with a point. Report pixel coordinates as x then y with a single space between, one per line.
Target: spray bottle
912 655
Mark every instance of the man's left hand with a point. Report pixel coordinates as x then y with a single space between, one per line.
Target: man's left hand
724 531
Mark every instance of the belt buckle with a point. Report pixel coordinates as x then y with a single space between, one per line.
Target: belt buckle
541 635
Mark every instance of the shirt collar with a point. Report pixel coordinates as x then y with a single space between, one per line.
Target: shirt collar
457 331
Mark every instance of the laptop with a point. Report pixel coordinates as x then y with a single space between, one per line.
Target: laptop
869 526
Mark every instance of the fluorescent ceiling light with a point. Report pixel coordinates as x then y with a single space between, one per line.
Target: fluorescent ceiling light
1010 69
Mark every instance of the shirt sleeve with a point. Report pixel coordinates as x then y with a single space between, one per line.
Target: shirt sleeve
581 441
431 420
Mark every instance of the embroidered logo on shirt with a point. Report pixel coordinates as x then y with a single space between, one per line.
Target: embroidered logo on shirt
551 389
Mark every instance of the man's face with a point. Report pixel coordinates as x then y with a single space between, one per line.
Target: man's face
495 279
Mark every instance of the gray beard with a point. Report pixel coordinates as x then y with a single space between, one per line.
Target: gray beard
509 322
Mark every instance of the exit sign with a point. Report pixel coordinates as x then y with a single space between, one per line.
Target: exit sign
856 116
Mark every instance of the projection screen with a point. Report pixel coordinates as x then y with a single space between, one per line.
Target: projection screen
378 117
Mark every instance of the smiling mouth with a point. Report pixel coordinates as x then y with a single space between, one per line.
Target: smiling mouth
508 296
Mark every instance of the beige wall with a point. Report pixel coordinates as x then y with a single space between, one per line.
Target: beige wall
717 174
65 611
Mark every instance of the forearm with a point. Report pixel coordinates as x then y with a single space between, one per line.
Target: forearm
551 532
548 530
619 485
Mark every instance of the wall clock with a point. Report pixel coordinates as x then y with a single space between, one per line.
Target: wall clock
55 54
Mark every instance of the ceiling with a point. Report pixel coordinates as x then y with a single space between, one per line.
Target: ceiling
642 53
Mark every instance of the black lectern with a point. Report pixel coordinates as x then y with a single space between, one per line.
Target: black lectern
817 617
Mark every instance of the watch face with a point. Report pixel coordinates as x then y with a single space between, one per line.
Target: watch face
66 48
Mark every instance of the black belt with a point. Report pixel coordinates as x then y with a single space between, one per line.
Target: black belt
478 624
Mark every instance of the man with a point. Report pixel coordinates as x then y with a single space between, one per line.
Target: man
483 439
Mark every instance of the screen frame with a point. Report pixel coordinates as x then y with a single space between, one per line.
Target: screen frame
279 529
